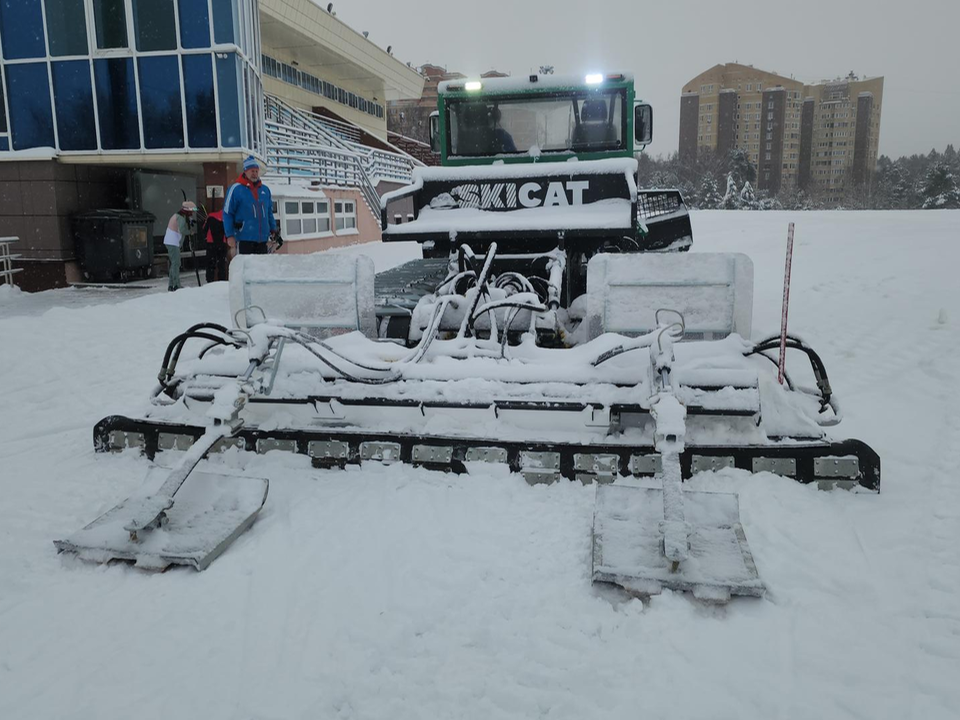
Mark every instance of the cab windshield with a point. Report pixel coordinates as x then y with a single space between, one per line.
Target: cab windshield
584 121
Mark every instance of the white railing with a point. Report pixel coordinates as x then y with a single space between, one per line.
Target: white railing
7 271
296 154
379 164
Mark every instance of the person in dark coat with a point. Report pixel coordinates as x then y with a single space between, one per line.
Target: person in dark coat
216 247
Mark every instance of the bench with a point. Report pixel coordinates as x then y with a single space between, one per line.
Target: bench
7 271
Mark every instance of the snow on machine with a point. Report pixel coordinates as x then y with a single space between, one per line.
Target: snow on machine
541 329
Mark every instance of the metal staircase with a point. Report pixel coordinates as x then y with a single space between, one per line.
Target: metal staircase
302 145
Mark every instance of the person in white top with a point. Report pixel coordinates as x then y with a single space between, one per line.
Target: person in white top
177 227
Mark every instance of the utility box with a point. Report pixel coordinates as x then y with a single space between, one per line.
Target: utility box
114 245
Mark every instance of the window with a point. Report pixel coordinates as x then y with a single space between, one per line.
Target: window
291 211
21 30
200 102
323 216
110 20
28 92
226 23
3 110
154 25
195 24
116 103
228 89
304 218
73 101
66 27
161 102
346 214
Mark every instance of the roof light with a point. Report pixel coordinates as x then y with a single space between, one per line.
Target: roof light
594 79
473 85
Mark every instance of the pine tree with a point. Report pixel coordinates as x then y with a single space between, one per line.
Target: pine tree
904 189
765 202
939 189
710 198
731 198
739 165
748 198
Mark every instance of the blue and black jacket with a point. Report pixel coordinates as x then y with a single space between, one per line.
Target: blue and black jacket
248 212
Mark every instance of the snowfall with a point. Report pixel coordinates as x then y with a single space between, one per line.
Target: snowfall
395 592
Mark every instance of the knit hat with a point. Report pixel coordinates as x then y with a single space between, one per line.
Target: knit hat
250 162
188 206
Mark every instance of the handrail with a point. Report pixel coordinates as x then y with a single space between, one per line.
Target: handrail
7 271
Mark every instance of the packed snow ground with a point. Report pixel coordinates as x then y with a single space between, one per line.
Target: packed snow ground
392 592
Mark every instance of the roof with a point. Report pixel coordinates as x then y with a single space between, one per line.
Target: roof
326 46
495 85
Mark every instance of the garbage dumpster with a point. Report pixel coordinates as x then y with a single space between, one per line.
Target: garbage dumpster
114 245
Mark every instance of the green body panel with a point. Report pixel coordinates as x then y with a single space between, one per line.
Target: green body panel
533 91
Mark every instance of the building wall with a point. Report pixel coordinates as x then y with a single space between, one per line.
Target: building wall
804 168
726 122
307 100
37 202
770 165
689 120
861 146
411 118
367 229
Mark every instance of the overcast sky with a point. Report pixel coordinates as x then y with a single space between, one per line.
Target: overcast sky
915 45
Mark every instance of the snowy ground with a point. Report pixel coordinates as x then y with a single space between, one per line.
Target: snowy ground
391 592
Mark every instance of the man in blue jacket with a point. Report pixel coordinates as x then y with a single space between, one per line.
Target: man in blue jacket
248 211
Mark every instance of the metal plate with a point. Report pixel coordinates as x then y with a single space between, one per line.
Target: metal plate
328 449
836 467
120 440
606 464
209 512
628 544
225 444
837 483
530 460
385 452
438 454
540 476
174 441
645 464
590 478
705 463
778 466
265 445
486 454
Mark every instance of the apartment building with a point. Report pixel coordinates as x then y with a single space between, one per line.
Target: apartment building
821 137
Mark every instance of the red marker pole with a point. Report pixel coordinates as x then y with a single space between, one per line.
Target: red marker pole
786 303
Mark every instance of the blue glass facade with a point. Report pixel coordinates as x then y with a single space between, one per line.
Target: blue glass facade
130 75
